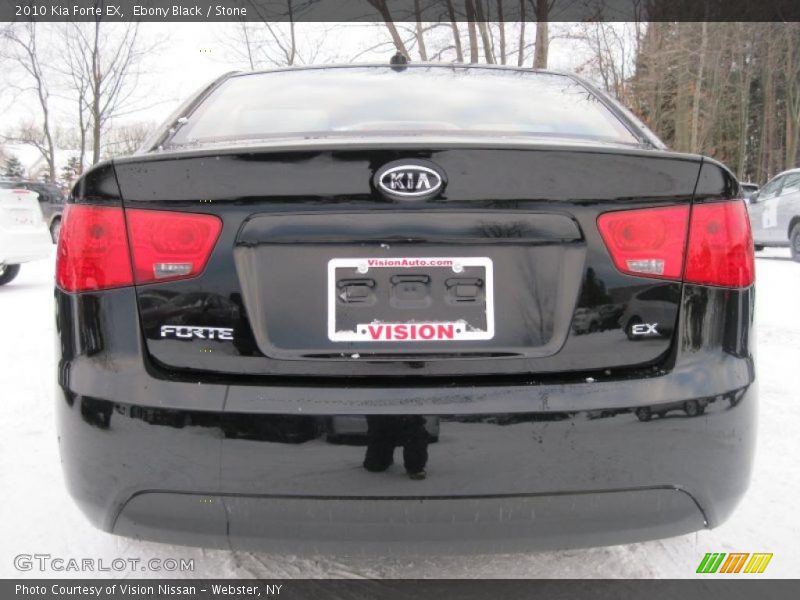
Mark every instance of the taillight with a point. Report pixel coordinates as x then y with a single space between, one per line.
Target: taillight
92 249
648 242
170 245
651 242
720 245
94 252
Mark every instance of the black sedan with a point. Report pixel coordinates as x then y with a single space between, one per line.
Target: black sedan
396 246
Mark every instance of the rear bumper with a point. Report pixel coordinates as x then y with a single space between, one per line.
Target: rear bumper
516 466
20 246
407 526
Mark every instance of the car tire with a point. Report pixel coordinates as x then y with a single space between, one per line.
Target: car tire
644 414
794 239
692 408
55 230
8 273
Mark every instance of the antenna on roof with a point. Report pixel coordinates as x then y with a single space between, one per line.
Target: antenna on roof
399 61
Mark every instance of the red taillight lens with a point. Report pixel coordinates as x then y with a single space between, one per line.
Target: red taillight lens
647 242
92 249
170 245
650 242
93 252
720 245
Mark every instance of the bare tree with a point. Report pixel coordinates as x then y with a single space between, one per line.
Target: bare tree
386 15
541 10
521 49
20 47
451 13
127 139
423 55
110 60
501 23
274 44
78 77
791 75
698 86
471 31
611 50
488 52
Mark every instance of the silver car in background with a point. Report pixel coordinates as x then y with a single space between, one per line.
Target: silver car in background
775 213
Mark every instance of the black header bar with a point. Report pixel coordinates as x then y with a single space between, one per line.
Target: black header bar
397 10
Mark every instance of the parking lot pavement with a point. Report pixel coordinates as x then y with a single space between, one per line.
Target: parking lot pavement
37 516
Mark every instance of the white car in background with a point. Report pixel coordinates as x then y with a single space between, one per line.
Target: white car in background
775 213
24 235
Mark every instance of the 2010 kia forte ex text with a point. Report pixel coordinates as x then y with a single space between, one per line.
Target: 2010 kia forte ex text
405 308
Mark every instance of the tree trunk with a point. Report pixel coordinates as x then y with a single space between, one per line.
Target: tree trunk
542 34
502 24
487 42
473 34
97 80
744 105
768 127
698 88
82 154
51 152
456 35
521 50
423 55
387 19
293 42
792 85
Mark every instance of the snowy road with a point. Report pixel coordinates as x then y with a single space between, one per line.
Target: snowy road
37 516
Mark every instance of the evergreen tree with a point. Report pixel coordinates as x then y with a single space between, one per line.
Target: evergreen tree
13 168
71 170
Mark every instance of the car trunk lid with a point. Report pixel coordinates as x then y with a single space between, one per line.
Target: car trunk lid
308 276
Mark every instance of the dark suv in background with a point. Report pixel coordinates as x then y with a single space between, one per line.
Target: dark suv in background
51 201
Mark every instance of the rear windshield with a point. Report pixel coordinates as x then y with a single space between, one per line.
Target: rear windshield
380 100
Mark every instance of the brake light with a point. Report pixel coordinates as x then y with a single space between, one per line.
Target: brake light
720 245
650 242
94 254
170 245
647 242
92 249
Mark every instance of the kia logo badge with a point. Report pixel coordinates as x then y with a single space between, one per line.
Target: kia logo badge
409 180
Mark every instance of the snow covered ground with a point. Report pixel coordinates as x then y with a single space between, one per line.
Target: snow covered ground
37 516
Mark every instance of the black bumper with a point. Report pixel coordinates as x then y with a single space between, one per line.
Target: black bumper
517 466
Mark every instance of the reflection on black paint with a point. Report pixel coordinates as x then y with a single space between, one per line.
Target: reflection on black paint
283 429
386 432
594 291
695 314
692 408
91 332
201 309
97 412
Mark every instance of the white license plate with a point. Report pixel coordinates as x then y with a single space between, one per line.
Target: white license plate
382 318
22 216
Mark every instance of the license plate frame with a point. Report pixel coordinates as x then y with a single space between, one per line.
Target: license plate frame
414 331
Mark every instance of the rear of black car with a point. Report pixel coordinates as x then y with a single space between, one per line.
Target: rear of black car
366 309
